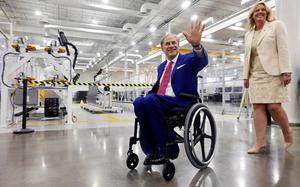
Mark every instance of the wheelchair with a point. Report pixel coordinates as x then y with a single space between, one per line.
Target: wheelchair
196 129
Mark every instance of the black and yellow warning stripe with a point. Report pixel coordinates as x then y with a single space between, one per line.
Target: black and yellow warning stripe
63 83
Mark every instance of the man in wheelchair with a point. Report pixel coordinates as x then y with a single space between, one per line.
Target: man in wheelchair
176 75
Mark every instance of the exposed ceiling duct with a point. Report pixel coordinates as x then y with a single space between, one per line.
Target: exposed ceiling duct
129 26
147 7
81 29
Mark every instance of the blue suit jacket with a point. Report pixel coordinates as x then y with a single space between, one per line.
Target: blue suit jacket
184 74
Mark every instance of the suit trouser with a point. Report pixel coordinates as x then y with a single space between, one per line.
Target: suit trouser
150 112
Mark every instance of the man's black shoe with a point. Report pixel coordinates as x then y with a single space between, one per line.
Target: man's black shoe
157 161
148 159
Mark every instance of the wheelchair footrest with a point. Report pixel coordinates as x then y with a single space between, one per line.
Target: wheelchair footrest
160 162
175 142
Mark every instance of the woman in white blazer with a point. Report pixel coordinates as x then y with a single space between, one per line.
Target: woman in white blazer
267 73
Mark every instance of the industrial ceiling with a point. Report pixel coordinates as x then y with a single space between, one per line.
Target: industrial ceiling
104 29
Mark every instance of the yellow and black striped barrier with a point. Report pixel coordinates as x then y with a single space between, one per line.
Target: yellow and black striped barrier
64 83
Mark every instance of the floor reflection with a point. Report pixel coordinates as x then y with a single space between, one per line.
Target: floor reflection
205 177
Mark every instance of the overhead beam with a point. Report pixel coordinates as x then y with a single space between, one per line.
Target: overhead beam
70 34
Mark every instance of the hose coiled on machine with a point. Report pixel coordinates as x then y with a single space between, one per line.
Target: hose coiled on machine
3 69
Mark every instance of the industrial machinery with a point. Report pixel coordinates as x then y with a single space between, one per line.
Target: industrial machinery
99 99
22 65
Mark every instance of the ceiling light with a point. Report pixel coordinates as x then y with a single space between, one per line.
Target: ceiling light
208 40
80 52
150 43
98 54
194 17
85 44
237 43
244 2
208 20
232 51
179 35
238 24
105 1
152 29
38 13
208 36
185 4
133 43
84 59
135 55
236 28
120 52
95 21
137 51
81 29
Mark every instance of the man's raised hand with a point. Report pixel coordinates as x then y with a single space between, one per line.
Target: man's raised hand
194 36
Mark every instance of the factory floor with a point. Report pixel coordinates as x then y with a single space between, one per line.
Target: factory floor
93 151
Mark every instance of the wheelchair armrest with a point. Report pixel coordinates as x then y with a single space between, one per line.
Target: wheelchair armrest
198 99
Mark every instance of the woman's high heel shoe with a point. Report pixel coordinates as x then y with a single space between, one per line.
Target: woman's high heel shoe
257 150
288 139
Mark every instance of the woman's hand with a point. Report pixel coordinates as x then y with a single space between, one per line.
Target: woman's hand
285 78
246 83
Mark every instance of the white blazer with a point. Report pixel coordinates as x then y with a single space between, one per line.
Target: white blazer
272 49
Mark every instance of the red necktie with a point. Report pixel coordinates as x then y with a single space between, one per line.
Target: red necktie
165 80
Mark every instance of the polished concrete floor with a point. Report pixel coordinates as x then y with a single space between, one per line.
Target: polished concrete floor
92 153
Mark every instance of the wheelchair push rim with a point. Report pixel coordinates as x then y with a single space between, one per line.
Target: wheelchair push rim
199 135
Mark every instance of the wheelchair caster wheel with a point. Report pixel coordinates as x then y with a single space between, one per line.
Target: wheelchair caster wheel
132 161
168 171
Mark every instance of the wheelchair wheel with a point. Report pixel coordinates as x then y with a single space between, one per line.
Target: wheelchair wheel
199 135
168 171
132 161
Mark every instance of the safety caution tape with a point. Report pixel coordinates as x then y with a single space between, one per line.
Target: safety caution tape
63 83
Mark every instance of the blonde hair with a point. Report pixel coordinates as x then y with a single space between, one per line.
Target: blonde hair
270 17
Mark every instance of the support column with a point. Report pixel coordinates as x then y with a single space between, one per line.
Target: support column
69 105
223 81
288 13
4 105
126 68
137 77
